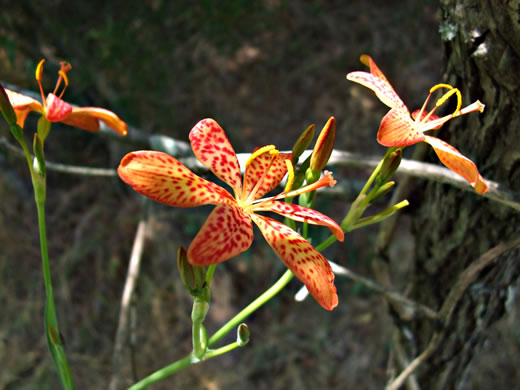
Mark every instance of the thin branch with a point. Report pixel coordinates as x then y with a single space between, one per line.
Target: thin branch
408 168
131 279
390 294
465 279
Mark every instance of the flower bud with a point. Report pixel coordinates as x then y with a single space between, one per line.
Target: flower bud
382 191
6 107
39 159
44 128
303 142
324 145
242 335
193 277
390 165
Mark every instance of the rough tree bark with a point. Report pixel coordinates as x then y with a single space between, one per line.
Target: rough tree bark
453 228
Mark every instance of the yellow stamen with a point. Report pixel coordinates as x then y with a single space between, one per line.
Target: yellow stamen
38 76
439 86
39 70
449 94
290 177
63 76
260 151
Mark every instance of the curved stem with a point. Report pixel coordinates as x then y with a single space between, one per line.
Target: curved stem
164 372
253 306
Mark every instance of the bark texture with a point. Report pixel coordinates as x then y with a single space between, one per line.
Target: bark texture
454 228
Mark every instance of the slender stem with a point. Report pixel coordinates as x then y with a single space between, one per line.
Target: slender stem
253 306
51 321
374 173
211 353
164 372
209 273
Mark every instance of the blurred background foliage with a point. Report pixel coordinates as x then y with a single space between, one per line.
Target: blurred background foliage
264 70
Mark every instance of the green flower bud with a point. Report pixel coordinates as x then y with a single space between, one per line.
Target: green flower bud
44 128
324 145
303 142
382 191
390 165
39 159
242 335
193 277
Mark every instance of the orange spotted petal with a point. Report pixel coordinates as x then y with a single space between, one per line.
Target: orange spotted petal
226 233
374 69
458 163
267 168
23 105
213 149
56 109
382 88
87 118
398 129
302 214
162 178
302 259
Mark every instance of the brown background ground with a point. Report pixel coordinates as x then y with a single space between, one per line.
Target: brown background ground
265 70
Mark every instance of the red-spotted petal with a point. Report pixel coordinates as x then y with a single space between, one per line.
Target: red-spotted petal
398 129
458 163
162 178
213 149
302 259
382 88
302 214
374 69
270 170
226 233
56 109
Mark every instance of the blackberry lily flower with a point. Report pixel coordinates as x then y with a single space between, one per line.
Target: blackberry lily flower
228 230
56 110
398 128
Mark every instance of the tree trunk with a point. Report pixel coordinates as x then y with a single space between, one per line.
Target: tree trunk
454 228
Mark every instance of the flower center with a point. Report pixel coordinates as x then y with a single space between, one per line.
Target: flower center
65 67
421 118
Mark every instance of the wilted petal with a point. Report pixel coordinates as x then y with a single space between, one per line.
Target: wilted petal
213 149
87 118
458 163
398 129
268 168
23 105
57 110
382 88
162 178
307 264
302 214
226 233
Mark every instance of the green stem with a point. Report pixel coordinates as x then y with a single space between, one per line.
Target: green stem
374 173
253 306
164 372
51 321
211 353
52 331
209 273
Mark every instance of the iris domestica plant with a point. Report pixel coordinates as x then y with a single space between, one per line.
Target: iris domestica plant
15 108
242 204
